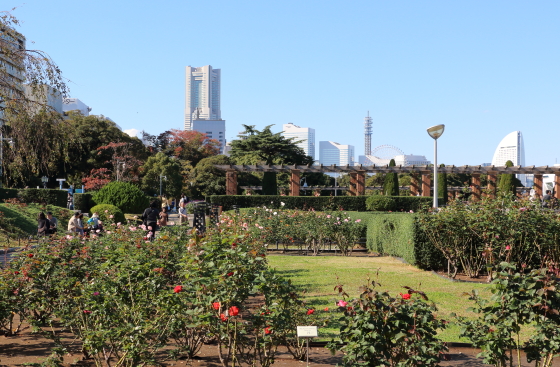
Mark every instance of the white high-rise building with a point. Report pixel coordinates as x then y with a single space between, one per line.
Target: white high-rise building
74 104
305 135
202 103
511 148
334 153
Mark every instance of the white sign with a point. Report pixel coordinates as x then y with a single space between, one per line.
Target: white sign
61 179
307 331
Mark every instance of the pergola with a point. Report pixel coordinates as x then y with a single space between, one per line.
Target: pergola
421 175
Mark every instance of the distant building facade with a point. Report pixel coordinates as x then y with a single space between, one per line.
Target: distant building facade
11 67
305 134
74 104
331 152
202 103
511 148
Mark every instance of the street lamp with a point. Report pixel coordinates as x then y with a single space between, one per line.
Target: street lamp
435 132
304 179
160 183
44 179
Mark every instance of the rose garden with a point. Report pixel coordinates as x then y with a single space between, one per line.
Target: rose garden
131 300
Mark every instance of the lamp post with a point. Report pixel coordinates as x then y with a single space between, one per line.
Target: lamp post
435 132
160 183
304 179
44 179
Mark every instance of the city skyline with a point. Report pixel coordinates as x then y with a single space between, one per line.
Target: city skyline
483 69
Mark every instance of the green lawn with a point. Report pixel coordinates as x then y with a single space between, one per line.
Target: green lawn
317 276
22 219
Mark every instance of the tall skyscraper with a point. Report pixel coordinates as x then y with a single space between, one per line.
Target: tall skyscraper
11 67
305 134
334 153
202 103
511 148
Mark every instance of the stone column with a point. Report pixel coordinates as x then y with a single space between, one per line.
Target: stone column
353 183
231 182
476 191
492 177
294 182
414 188
538 186
426 184
361 183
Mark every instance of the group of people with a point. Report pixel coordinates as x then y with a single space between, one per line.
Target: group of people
47 224
76 224
153 218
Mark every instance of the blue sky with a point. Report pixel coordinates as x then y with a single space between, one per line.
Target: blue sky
482 68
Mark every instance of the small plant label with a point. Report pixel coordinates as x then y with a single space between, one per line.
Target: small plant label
307 331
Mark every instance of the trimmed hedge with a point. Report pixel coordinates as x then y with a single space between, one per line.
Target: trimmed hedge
398 234
83 202
127 197
399 203
321 203
105 211
8 194
50 196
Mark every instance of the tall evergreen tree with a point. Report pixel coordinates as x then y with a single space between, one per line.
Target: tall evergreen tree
506 186
442 186
391 184
266 147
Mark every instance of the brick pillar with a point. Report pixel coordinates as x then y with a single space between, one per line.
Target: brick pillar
538 186
492 177
426 184
231 182
361 183
294 182
353 183
414 188
476 191
557 186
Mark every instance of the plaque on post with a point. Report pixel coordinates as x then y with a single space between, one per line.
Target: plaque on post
307 332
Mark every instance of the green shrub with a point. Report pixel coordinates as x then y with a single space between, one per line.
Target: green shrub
83 202
8 194
105 212
398 234
380 203
50 196
398 203
127 197
320 203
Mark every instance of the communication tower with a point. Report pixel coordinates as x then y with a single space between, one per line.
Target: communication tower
367 132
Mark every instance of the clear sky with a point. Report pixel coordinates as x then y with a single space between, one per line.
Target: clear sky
482 68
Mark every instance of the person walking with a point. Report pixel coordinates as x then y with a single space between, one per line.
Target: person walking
183 217
70 202
150 217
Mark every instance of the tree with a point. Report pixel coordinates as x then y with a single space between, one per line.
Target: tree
391 184
162 165
442 185
506 186
266 147
20 66
207 179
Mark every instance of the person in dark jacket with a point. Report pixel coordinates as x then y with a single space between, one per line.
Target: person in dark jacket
151 216
43 226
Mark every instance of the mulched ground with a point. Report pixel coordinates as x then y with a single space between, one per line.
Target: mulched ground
27 347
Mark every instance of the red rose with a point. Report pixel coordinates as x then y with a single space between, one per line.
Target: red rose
178 289
138 246
405 296
230 273
29 255
216 305
310 311
233 311
267 330
87 311
16 272
234 245
223 317
326 309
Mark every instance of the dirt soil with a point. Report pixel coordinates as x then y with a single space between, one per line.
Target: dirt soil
27 347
